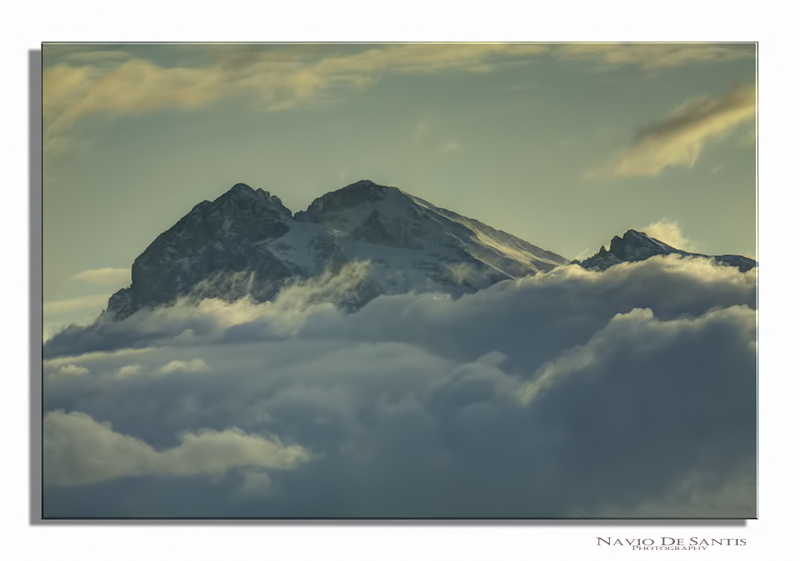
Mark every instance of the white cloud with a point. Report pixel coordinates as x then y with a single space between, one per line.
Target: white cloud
585 253
73 370
96 357
194 365
640 327
57 314
128 370
78 451
678 139
671 233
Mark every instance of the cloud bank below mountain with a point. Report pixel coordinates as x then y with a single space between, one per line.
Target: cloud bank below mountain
621 393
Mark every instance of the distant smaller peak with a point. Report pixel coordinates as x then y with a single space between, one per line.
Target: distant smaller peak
637 246
629 240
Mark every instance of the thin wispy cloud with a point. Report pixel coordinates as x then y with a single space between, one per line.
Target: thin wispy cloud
107 276
91 302
135 86
97 57
73 370
678 139
72 90
116 83
128 370
57 314
671 233
194 365
421 130
451 146
652 56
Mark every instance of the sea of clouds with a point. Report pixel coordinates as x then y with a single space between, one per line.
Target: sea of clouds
624 393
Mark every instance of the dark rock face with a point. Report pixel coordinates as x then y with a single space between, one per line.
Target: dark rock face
247 243
216 239
638 246
393 233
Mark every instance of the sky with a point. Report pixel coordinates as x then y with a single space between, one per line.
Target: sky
563 145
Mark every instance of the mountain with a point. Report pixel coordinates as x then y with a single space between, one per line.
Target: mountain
638 246
246 242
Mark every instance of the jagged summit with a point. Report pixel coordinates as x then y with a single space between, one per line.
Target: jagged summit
241 195
246 242
355 194
241 188
635 245
214 240
638 246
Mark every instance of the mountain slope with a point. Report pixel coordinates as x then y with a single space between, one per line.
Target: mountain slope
638 246
247 243
215 241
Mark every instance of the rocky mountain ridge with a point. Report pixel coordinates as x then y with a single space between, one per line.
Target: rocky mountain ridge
246 242
638 246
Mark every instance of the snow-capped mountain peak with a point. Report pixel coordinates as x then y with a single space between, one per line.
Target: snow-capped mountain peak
246 242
